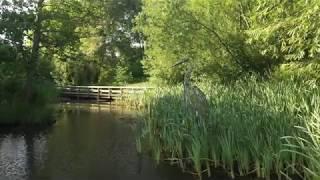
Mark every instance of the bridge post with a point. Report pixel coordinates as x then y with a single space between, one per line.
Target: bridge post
78 93
98 96
110 93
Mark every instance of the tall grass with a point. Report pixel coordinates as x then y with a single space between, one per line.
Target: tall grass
244 133
307 144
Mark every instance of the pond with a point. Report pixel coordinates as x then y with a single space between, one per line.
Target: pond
87 142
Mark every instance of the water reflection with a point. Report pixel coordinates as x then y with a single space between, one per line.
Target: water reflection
13 157
88 142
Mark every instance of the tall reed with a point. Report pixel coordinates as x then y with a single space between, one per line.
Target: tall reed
244 133
307 144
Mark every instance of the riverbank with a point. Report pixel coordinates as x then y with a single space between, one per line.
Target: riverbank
252 129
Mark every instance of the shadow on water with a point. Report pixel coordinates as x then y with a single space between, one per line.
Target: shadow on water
87 142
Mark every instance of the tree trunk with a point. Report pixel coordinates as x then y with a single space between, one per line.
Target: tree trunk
32 63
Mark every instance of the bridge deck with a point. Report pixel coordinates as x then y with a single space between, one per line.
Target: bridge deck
99 93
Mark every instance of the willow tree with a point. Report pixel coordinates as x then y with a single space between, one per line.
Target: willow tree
227 38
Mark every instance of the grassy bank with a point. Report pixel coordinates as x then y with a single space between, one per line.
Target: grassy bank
252 129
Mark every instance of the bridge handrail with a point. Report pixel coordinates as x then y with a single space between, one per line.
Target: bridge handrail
106 87
101 92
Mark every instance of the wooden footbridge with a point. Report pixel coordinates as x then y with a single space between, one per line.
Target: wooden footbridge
99 93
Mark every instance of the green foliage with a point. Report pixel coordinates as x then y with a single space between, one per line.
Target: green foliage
22 100
298 71
286 30
16 108
7 53
106 76
96 36
227 39
123 76
16 105
81 39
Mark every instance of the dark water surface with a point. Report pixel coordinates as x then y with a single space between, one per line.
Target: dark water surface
86 143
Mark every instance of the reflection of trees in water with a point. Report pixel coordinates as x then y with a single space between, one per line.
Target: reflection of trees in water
30 153
36 145
40 150
13 153
82 145
20 154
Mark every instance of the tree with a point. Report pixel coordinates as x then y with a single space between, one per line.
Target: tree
120 43
286 30
227 39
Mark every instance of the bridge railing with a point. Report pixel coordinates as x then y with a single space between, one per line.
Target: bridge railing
100 92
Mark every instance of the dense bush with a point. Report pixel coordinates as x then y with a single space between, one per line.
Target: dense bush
19 107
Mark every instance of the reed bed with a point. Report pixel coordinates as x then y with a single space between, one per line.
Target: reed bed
268 129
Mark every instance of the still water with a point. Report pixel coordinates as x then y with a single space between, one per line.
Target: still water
87 143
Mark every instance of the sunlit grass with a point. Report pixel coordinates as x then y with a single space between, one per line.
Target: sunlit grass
245 133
